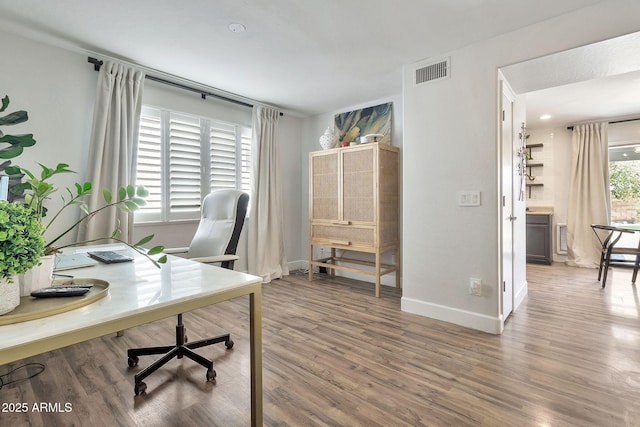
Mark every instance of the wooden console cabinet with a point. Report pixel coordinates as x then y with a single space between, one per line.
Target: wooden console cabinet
354 206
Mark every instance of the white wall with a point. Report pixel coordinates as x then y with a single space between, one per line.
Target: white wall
312 129
450 145
57 88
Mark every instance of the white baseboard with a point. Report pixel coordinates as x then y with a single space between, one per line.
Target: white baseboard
464 318
298 265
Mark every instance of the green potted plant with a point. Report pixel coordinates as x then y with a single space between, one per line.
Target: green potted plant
38 189
21 245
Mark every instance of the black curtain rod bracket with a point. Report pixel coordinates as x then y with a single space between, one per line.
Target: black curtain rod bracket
203 94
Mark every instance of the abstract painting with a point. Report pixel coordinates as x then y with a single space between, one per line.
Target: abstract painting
352 125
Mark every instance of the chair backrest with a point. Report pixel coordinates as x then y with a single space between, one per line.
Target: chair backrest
223 214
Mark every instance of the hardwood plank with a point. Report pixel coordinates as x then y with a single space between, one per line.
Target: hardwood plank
334 355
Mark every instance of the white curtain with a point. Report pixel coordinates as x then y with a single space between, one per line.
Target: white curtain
589 197
113 146
265 238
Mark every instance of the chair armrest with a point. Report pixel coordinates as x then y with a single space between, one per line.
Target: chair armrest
171 251
217 258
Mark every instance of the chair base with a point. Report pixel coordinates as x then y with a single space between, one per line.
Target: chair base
181 349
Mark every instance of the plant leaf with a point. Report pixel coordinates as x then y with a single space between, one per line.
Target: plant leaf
144 240
10 152
122 193
14 118
106 194
130 205
5 103
25 140
155 250
142 192
13 170
130 191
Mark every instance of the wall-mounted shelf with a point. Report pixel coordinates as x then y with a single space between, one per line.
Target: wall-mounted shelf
530 186
533 165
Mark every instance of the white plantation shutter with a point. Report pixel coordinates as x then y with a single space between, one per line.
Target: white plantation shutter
223 156
148 172
182 158
184 166
245 161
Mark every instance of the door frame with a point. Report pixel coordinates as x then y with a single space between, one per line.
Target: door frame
504 90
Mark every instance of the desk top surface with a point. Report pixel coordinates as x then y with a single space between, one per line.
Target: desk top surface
136 289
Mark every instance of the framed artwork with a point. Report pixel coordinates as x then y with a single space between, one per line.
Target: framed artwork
352 125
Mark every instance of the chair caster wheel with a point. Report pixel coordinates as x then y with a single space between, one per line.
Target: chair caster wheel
132 361
211 375
140 388
229 344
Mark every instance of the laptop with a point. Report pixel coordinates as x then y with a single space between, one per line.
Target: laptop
69 261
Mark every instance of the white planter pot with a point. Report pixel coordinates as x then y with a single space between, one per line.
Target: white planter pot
9 295
40 276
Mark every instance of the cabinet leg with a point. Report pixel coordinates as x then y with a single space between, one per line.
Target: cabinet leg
310 272
332 271
377 274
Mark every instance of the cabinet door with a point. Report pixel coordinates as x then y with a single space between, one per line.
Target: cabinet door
358 176
539 240
324 186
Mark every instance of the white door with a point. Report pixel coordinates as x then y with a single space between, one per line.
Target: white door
507 199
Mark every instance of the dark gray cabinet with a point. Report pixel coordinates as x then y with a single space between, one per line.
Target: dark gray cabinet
539 238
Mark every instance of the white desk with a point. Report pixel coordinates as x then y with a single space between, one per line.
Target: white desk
141 293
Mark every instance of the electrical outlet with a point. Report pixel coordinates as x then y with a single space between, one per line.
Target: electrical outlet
475 286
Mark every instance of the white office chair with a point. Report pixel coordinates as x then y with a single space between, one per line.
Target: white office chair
215 241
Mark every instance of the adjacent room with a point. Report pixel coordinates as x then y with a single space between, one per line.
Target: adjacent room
329 214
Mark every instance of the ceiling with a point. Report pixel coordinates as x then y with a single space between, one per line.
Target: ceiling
301 56
596 82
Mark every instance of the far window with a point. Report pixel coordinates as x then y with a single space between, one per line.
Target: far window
181 158
624 180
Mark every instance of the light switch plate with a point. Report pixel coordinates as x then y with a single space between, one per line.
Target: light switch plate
469 198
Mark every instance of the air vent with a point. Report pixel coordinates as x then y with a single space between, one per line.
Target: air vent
433 71
561 237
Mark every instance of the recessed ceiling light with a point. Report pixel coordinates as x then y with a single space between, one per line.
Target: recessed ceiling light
545 117
235 27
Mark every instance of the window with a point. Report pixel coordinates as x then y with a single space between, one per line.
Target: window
624 181
181 158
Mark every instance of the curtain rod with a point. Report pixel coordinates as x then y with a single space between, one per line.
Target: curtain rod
203 93
613 122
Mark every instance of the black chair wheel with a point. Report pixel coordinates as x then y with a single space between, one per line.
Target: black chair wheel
132 361
211 375
229 344
140 388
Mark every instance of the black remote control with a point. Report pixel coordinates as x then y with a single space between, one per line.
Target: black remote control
59 291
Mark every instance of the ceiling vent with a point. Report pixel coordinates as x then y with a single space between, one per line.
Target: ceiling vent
433 71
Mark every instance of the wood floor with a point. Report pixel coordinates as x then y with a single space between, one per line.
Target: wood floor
336 356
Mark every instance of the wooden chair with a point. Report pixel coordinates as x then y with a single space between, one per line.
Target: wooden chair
612 255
